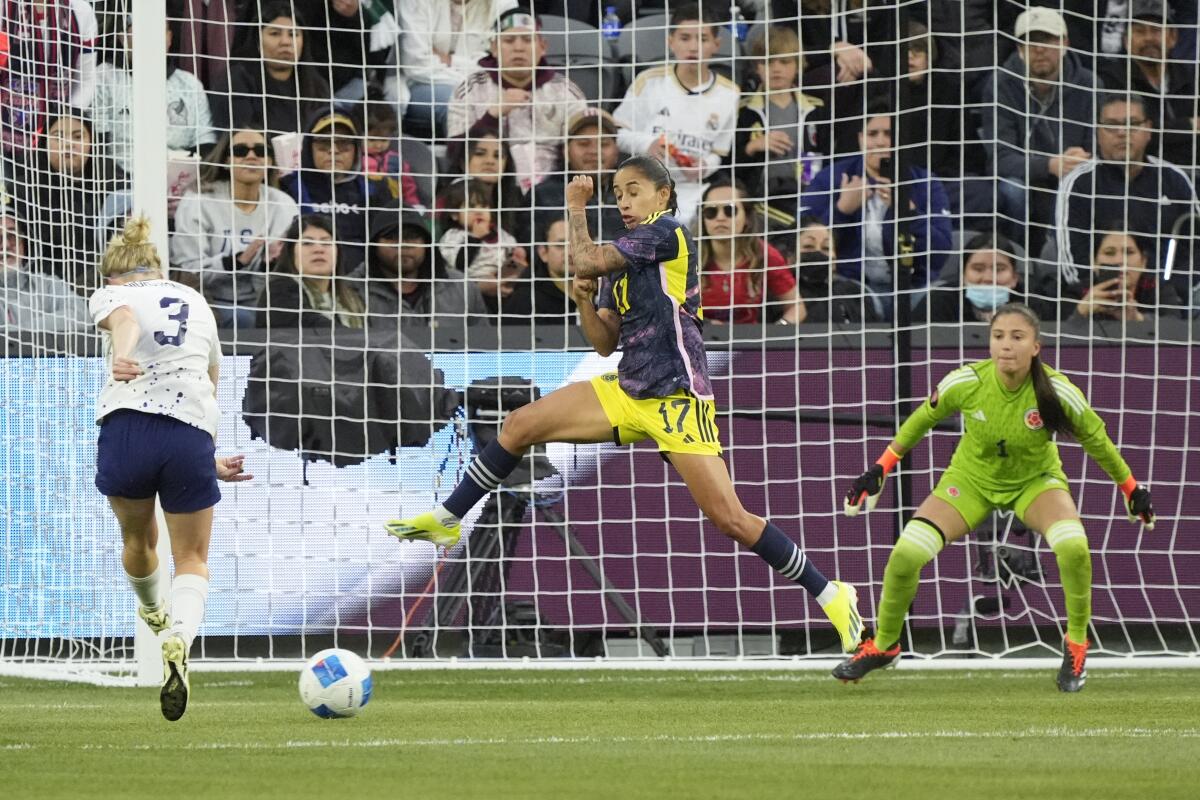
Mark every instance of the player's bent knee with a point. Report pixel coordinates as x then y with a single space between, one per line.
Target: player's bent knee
732 520
1068 540
919 543
519 428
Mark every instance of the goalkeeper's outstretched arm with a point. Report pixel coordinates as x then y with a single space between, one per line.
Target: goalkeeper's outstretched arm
944 401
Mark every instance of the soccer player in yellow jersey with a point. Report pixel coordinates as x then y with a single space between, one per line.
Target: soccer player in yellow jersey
1012 405
649 307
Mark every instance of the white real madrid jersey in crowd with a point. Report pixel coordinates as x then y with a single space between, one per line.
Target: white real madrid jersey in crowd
177 344
699 122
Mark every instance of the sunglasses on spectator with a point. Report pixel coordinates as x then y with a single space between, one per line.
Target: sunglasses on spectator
243 150
711 211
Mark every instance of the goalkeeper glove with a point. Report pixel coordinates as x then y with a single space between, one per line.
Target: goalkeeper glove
869 486
1138 503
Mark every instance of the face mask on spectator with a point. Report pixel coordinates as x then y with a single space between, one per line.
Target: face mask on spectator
813 269
988 296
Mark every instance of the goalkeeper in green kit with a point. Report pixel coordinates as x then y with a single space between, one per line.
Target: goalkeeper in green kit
1012 405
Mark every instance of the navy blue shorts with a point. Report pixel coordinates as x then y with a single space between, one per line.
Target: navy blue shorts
141 455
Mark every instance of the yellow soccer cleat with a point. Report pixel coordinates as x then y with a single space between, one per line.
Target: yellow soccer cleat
843 613
425 527
174 695
157 619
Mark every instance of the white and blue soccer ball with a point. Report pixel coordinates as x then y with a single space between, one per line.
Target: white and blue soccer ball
335 683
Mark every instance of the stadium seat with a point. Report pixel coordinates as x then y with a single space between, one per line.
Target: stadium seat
423 166
584 57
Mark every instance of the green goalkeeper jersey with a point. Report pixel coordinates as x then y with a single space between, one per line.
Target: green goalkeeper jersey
1004 444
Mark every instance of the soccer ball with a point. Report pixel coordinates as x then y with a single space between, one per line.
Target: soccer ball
335 683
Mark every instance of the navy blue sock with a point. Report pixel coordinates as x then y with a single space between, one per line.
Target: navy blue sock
786 558
483 475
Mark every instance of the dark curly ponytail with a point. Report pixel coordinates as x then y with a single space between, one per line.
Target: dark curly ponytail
657 173
1054 419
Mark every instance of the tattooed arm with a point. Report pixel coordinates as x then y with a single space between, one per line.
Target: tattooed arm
587 259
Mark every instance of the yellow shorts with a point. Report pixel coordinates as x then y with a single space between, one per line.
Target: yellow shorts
680 423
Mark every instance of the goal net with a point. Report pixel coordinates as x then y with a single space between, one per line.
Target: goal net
370 195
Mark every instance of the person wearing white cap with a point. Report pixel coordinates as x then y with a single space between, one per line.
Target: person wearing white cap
511 83
1041 126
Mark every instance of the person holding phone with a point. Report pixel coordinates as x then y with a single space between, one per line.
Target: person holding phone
1120 286
856 199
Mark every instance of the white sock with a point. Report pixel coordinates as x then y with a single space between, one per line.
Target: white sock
147 589
188 596
827 594
444 517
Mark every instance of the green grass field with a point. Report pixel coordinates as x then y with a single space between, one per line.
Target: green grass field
612 734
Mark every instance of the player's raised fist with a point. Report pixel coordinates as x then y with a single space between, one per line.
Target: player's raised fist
579 191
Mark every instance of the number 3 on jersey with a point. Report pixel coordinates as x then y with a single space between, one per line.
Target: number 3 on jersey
180 316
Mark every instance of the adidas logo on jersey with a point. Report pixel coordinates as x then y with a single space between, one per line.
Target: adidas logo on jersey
979 415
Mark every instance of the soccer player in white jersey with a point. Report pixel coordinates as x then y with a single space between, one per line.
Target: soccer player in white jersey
683 113
158 416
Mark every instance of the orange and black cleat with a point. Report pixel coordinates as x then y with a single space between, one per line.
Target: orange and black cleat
1073 672
866 658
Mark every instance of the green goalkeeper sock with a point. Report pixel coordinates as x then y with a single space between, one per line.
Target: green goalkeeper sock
919 543
1069 543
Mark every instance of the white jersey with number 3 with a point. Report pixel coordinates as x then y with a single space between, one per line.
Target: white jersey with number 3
177 345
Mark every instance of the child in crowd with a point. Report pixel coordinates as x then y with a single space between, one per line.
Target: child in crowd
683 113
382 156
473 243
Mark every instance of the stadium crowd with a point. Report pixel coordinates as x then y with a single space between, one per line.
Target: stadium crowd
353 163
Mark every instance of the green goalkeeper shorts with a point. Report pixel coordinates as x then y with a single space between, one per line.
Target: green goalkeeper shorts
976 505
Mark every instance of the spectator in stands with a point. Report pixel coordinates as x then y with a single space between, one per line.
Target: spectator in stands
330 181
743 280
70 199
30 301
189 120
310 288
1040 127
514 81
683 112
274 78
1167 89
782 134
591 149
483 158
355 38
474 244
51 62
1142 193
855 198
381 155
409 284
1120 284
936 82
227 233
550 290
407 281
441 46
991 276
827 296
